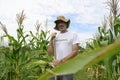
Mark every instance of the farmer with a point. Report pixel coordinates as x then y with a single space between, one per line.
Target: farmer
63 45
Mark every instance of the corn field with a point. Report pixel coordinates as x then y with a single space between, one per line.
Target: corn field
26 58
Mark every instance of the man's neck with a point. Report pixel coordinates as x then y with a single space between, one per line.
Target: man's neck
64 31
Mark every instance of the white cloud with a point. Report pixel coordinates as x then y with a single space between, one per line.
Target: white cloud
85 36
90 12
85 11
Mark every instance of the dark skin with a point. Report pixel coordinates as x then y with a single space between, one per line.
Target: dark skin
62 27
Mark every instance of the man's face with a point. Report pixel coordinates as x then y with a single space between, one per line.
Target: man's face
62 26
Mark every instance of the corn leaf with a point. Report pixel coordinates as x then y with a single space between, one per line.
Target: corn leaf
83 60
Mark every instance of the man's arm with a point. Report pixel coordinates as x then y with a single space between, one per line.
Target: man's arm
51 45
51 48
72 54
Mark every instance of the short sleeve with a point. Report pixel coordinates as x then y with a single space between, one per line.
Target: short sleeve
75 38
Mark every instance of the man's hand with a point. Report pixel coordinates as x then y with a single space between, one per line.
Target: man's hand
56 62
53 35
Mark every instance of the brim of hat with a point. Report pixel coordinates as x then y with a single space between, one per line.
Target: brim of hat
64 20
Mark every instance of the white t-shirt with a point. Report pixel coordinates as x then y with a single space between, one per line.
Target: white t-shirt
64 42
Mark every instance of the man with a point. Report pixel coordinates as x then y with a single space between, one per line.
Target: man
64 45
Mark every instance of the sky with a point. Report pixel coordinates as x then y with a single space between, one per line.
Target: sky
85 15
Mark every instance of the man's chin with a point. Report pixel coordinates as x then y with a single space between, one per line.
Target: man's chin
61 30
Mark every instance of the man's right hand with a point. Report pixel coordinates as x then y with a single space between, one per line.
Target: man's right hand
53 35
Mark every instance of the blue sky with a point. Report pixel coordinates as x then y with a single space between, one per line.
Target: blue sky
85 15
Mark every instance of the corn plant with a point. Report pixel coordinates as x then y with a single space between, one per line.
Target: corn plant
109 68
25 57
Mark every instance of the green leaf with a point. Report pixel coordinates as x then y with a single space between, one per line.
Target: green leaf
96 45
116 29
110 37
83 60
